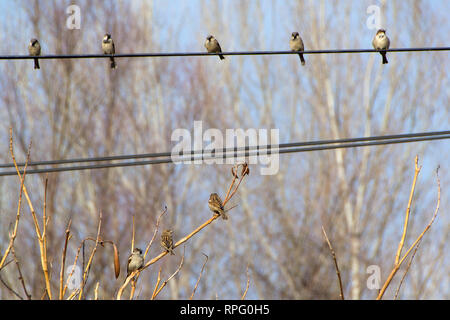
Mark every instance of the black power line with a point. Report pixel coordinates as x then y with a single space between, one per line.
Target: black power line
225 150
235 154
234 53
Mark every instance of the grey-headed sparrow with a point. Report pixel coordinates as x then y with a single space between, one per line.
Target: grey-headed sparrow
381 42
34 48
108 48
213 46
296 44
135 261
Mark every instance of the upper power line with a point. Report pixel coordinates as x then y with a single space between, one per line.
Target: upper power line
234 53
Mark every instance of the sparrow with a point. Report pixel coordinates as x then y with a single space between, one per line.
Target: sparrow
216 206
135 261
34 48
381 42
296 44
108 48
213 46
167 241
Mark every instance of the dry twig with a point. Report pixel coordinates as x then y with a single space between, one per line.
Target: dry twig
7 286
20 274
96 291
419 238
16 225
40 236
91 257
199 277
341 291
408 210
173 275
406 271
155 232
247 286
158 280
63 260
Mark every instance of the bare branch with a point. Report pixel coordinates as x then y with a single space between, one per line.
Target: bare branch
96 291
173 275
341 290
22 280
7 286
16 225
406 271
41 239
408 210
132 234
247 286
419 238
63 261
199 277
88 266
158 280
155 232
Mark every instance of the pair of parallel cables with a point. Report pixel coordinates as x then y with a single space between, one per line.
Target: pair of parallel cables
223 153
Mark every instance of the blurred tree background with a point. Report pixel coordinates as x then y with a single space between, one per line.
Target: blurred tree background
79 108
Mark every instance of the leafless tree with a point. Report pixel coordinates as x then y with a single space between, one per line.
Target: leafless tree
80 108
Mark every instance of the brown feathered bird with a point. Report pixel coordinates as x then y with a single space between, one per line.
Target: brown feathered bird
167 241
216 206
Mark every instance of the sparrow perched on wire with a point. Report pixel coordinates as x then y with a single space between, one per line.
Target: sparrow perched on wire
167 241
108 48
34 48
296 44
213 46
381 42
216 206
135 261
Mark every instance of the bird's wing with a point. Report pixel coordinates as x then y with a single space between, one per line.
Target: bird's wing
218 46
129 260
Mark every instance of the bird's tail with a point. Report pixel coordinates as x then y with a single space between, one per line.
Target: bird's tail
169 250
36 64
113 63
223 215
385 60
221 57
302 59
